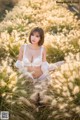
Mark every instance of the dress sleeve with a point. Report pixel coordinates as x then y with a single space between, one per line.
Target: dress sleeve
53 66
45 67
19 64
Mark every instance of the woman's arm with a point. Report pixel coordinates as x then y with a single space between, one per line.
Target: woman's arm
44 54
20 55
18 63
45 64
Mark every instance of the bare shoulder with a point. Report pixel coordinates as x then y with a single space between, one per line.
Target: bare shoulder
44 54
20 55
21 47
44 49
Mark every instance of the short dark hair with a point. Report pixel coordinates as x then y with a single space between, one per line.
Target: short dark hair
41 33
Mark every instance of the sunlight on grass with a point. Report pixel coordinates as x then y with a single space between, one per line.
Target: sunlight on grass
23 99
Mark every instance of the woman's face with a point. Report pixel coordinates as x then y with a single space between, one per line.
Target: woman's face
35 37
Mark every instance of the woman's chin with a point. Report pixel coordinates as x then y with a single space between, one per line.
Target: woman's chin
34 43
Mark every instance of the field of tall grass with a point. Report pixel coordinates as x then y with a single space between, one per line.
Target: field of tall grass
6 5
60 100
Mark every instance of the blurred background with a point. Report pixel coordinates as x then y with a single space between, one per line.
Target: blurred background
60 20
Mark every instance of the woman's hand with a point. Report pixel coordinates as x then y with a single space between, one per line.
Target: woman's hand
37 75
37 71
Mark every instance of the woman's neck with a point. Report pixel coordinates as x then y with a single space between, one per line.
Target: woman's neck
34 46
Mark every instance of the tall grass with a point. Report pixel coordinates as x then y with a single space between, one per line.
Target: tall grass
27 101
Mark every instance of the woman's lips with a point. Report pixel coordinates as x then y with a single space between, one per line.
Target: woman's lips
33 40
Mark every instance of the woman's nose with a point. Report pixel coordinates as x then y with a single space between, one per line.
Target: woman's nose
33 37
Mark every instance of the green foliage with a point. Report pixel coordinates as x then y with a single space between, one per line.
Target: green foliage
10 29
6 5
58 29
3 53
54 54
61 101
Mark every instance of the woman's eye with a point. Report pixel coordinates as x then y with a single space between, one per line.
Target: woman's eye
37 36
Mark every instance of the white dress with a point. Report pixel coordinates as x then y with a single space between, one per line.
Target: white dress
37 61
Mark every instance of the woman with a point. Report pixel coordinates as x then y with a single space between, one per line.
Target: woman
32 57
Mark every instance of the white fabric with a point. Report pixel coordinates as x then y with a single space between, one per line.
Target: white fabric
36 62
19 64
45 66
53 66
22 69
